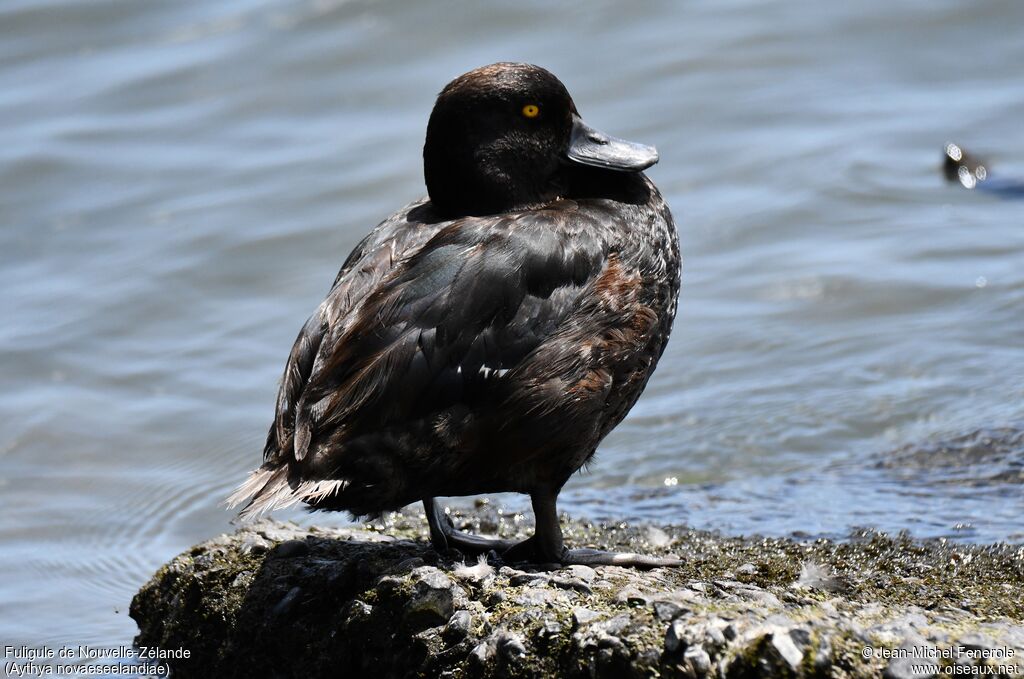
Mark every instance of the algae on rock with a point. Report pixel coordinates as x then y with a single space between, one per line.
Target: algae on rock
276 600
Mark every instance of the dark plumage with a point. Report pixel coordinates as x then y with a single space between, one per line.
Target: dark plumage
488 338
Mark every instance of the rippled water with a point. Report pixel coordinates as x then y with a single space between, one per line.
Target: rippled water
181 181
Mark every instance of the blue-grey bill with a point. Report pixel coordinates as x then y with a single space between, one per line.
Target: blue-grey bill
588 146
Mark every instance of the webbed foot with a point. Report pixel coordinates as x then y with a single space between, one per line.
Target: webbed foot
597 557
544 547
444 535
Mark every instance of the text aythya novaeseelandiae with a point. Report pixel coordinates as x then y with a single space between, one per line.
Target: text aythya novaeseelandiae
488 338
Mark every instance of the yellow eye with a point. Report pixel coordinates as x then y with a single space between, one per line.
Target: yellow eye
531 111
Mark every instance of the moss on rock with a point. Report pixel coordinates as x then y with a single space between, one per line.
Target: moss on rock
276 600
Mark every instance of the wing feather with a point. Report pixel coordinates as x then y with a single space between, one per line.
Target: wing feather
424 315
451 309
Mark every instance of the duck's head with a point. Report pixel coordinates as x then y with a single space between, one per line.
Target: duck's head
500 136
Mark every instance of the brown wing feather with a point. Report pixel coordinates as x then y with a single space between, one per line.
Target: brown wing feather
471 277
369 262
418 322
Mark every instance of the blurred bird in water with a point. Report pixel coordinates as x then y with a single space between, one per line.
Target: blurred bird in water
972 173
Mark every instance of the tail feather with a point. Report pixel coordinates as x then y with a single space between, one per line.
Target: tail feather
264 486
318 491
271 489
256 481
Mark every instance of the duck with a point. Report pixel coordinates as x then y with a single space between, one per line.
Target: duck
487 337
972 172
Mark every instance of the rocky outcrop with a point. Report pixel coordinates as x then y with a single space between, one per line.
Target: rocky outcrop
274 600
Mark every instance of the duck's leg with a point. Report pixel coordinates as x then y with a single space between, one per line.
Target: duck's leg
443 534
546 545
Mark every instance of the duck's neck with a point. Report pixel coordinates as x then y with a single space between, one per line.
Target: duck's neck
585 182
480 186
